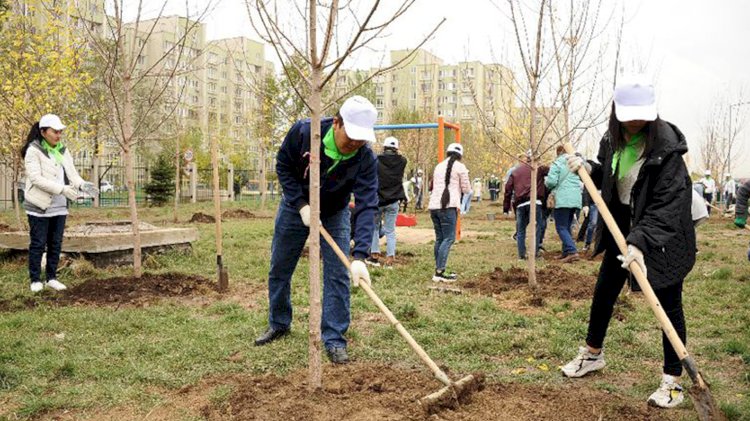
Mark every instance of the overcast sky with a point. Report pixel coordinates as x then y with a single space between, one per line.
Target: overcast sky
696 50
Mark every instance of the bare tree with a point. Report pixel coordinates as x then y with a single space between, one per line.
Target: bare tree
324 24
719 146
140 91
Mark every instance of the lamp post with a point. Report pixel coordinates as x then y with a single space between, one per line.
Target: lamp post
729 135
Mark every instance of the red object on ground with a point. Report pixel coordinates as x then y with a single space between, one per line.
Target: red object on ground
406 220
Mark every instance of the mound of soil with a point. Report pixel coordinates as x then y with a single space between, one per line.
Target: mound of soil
359 392
238 213
554 282
202 218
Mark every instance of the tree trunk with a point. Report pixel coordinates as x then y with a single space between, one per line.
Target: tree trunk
262 177
531 240
314 348
127 150
177 173
217 209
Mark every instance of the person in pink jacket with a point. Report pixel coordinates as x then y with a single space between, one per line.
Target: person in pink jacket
450 181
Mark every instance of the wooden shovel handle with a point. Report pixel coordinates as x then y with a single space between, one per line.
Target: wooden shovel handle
439 374
634 268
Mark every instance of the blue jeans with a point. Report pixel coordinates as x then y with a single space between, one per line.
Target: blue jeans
45 234
545 217
289 236
523 216
389 214
444 222
593 218
563 223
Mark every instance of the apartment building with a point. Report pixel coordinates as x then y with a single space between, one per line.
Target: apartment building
84 15
459 92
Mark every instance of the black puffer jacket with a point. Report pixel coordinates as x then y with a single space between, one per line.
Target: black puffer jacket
660 222
391 167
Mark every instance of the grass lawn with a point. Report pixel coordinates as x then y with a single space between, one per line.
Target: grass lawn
127 362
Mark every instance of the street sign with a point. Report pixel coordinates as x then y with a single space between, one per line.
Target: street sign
188 155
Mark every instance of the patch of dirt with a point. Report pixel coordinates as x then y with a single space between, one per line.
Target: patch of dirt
202 218
120 291
554 282
6 228
359 392
241 214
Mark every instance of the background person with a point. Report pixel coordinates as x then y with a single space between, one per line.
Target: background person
566 187
709 188
646 186
450 180
51 180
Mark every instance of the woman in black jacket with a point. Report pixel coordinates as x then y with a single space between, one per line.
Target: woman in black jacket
646 186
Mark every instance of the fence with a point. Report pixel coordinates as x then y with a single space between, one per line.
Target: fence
196 185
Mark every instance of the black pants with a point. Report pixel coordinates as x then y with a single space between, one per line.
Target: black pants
611 279
45 234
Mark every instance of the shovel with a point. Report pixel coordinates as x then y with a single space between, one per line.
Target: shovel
452 392
703 401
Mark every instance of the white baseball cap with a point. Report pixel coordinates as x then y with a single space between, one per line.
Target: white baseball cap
635 99
456 147
390 142
707 172
359 117
51 121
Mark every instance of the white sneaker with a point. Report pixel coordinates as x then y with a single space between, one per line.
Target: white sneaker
56 285
444 277
36 286
668 395
584 363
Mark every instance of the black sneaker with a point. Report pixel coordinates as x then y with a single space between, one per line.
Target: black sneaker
337 355
270 335
444 277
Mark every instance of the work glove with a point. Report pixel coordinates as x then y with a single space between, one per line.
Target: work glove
585 211
634 255
89 188
70 193
576 161
304 212
359 273
740 222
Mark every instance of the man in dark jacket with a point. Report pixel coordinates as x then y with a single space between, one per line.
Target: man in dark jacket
740 208
391 166
518 188
347 165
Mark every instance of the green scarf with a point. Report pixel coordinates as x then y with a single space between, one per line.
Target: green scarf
627 156
332 151
53 150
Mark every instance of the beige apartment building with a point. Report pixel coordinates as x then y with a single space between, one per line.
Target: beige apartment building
458 92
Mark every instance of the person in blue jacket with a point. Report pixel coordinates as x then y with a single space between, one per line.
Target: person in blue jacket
347 166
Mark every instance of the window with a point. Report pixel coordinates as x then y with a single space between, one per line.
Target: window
141 59
237 119
451 86
379 102
211 86
379 89
223 89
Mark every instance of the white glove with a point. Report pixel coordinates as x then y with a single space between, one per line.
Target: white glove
634 255
70 193
88 187
585 211
576 161
360 273
304 212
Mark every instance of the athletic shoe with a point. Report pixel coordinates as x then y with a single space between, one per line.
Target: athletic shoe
372 262
584 363
572 257
36 286
444 277
668 395
56 285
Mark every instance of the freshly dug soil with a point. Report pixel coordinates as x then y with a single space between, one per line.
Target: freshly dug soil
202 218
120 291
238 214
554 282
359 392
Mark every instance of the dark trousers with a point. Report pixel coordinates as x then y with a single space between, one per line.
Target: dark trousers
709 198
611 279
45 234
444 222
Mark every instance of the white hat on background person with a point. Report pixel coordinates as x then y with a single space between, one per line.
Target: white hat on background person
456 147
707 172
635 99
52 121
390 142
359 117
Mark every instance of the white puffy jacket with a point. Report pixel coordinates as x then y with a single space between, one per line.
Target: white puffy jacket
41 175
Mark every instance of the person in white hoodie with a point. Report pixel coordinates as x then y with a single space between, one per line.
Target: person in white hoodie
51 180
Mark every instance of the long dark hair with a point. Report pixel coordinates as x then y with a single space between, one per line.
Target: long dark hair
35 133
452 157
618 140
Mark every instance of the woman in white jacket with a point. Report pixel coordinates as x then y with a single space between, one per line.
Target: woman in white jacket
51 179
